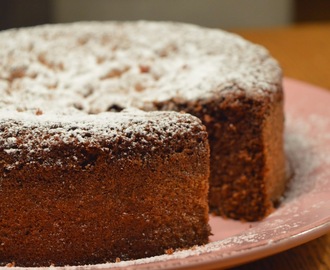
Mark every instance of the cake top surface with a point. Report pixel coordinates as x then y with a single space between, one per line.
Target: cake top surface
82 128
95 66
25 136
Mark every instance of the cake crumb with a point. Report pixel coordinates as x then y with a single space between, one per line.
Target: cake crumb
118 260
194 247
169 251
12 264
39 112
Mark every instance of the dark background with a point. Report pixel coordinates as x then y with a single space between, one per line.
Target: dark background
18 13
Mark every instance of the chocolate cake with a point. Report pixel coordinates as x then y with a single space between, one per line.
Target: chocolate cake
92 189
94 68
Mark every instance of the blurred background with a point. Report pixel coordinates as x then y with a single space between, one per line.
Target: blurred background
226 14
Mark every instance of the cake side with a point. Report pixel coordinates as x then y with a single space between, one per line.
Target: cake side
275 173
95 191
247 157
248 149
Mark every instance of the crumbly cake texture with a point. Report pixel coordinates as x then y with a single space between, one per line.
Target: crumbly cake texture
233 86
94 189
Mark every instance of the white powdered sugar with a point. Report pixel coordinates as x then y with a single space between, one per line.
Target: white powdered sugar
39 133
93 66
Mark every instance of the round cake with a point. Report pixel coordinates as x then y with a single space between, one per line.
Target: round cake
87 70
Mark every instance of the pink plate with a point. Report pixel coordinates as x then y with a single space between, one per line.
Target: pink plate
304 213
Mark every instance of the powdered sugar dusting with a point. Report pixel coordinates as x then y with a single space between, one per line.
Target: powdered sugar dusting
95 66
24 136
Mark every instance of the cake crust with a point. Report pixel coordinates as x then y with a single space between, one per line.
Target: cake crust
86 191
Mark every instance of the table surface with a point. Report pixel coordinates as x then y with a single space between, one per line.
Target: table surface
304 53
